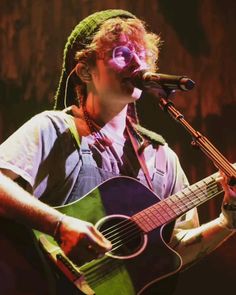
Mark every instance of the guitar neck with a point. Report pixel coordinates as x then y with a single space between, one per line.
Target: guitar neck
176 205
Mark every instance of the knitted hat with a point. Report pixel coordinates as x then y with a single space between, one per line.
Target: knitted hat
81 36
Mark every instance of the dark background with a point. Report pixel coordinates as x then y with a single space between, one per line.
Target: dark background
199 41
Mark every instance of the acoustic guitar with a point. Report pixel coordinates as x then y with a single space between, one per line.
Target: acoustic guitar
134 219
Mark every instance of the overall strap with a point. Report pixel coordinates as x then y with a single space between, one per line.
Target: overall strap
72 127
82 144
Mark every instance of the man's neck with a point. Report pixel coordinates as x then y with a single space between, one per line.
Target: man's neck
113 116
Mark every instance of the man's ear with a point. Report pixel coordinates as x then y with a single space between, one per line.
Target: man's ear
82 71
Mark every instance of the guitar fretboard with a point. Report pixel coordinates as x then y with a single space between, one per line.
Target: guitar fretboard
176 205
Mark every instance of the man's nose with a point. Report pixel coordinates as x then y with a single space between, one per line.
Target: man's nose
137 64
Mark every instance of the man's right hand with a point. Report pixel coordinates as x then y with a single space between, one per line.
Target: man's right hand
81 241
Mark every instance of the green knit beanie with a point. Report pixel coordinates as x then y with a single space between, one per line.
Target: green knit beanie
81 36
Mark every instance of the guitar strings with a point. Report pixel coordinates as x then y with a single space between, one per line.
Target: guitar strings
126 231
182 199
110 235
99 269
127 238
122 226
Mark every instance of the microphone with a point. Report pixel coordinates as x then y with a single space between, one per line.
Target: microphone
171 82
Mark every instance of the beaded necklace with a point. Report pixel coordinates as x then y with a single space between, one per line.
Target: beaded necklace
95 129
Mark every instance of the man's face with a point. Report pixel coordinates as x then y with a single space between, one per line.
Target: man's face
118 63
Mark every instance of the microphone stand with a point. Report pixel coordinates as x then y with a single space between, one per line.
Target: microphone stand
201 141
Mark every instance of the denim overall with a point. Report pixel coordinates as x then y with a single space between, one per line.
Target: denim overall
90 175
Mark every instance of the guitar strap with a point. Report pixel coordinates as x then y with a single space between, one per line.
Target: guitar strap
139 154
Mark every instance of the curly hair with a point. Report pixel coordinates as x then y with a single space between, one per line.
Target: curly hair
108 37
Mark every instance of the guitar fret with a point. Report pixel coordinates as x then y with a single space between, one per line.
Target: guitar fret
188 201
165 210
161 218
204 192
209 192
154 215
173 205
144 221
193 196
180 202
177 201
160 213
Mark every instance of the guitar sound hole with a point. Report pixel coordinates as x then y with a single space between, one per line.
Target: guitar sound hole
125 235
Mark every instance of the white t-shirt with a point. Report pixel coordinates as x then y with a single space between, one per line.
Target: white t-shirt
44 153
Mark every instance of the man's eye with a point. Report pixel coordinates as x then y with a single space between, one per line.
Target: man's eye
120 60
142 56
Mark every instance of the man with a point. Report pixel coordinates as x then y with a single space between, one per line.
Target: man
60 156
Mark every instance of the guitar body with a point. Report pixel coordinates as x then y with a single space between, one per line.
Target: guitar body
139 259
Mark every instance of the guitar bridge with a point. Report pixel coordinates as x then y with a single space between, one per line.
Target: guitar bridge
68 268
